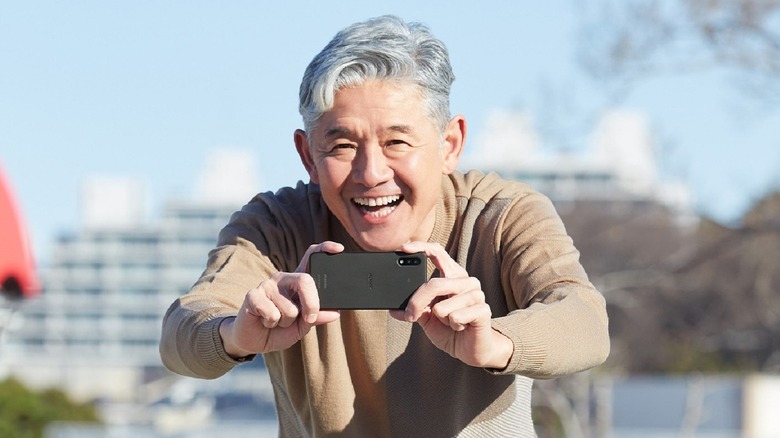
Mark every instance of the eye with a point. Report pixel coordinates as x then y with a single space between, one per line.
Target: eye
397 148
398 144
342 150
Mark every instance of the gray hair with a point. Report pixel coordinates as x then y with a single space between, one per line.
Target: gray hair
384 48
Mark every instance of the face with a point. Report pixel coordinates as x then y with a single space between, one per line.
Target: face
378 160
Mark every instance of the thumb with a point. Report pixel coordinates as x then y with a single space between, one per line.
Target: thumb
326 316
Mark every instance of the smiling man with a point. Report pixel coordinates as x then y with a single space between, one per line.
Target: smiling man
378 159
506 300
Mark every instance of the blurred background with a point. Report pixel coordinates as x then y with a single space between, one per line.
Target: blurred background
129 131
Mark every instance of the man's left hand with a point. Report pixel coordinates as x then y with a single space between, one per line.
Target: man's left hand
452 311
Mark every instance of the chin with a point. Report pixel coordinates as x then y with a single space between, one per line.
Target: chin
376 245
376 248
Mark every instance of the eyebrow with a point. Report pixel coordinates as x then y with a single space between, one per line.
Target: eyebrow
336 132
339 131
403 129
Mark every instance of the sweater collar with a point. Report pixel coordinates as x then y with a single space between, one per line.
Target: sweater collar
445 214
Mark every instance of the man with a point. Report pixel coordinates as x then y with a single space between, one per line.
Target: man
506 301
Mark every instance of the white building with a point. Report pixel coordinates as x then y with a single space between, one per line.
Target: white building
94 331
619 164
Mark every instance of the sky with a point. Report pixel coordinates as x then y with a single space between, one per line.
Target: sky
148 89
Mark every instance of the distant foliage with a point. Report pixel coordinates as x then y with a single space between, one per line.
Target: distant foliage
627 40
25 414
685 299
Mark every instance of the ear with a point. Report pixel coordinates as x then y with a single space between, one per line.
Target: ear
304 152
454 139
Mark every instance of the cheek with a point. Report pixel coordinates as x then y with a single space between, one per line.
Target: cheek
330 172
424 180
426 166
332 177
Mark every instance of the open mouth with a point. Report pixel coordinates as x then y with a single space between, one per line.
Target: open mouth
378 207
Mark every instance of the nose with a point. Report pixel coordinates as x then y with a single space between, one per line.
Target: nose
371 167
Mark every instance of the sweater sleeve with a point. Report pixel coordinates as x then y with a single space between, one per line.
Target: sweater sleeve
190 344
559 325
261 239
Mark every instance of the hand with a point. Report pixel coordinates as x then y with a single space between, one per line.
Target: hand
279 312
453 313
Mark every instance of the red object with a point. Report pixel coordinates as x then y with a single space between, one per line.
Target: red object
17 269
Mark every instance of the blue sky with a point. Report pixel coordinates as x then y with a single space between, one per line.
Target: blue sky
147 89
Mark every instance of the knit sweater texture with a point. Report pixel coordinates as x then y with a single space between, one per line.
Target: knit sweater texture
367 374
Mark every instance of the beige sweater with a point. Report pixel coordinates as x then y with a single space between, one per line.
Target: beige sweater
368 374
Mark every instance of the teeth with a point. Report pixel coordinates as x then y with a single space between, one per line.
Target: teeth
382 213
377 202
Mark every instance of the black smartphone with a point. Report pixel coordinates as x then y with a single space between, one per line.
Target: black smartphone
367 280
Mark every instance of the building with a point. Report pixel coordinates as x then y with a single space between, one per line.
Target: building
106 290
94 331
619 164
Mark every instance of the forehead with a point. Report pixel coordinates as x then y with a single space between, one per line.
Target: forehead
379 94
378 104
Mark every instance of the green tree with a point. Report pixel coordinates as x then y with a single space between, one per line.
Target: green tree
25 413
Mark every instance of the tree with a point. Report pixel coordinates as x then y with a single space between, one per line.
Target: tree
25 414
680 300
684 300
628 250
626 40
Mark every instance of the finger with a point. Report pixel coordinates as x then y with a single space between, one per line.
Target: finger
326 316
259 305
306 288
286 302
303 286
326 246
437 290
448 267
398 314
453 303
458 319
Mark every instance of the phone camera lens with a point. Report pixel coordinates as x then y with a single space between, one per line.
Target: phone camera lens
409 261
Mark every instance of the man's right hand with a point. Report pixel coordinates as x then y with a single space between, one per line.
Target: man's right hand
279 312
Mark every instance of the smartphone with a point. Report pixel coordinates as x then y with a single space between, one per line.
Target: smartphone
367 280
